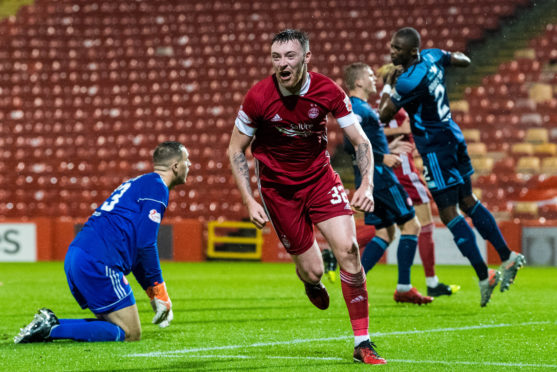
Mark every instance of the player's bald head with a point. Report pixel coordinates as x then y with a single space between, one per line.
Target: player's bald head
167 153
410 36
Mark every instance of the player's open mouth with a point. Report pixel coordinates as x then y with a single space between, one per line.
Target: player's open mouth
285 75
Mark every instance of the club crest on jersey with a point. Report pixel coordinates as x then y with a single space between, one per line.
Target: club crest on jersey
313 112
154 216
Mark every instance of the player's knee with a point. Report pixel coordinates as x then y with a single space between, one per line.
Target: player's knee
347 252
387 235
448 214
311 274
411 227
466 203
133 335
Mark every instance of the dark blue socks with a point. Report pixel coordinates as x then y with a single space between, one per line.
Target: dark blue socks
405 257
90 330
465 240
488 229
373 252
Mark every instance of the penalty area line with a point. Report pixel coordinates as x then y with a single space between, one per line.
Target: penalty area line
299 341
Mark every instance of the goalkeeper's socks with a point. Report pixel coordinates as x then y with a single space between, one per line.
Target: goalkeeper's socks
90 330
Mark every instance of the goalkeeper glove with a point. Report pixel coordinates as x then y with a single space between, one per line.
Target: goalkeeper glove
161 304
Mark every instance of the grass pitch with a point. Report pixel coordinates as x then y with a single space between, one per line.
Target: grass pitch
232 316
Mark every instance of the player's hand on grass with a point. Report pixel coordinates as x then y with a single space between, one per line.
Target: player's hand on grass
161 304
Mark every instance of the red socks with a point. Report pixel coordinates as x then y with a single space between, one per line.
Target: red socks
355 295
426 249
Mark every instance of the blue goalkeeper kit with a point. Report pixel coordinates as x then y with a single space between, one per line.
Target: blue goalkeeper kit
120 237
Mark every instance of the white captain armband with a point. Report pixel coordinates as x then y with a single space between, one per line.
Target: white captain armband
387 89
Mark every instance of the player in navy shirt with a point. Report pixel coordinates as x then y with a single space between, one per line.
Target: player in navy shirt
420 90
393 206
120 237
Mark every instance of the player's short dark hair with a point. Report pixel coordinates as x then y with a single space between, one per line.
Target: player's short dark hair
411 35
291 34
352 73
167 151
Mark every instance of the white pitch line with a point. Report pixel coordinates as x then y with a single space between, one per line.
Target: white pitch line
442 362
453 362
266 357
299 341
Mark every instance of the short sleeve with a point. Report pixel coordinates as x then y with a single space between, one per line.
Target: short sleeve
439 57
406 90
341 108
248 112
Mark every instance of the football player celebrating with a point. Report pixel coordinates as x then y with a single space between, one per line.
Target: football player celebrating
120 237
409 177
286 115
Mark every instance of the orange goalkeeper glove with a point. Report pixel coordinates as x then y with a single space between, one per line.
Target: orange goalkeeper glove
161 304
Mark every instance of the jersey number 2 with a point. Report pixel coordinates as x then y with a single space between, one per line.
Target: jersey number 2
442 108
115 197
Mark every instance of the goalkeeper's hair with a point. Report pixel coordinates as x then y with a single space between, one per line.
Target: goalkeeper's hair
167 152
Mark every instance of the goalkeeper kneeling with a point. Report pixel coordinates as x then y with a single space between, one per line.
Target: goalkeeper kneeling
120 237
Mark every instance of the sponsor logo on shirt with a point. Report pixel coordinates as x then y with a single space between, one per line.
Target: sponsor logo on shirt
125 280
154 216
297 130
276 118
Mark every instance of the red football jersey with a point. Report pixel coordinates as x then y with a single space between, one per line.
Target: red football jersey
290 132
407 173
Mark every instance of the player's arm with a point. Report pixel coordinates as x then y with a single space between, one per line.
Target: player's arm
398 146
460 59
363 197
402 130
147 268
387 108
239 142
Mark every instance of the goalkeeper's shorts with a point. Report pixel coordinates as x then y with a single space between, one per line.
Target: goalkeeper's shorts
94 285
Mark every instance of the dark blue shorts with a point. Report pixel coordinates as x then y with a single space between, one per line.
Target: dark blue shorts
392 205
447 166
95 285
